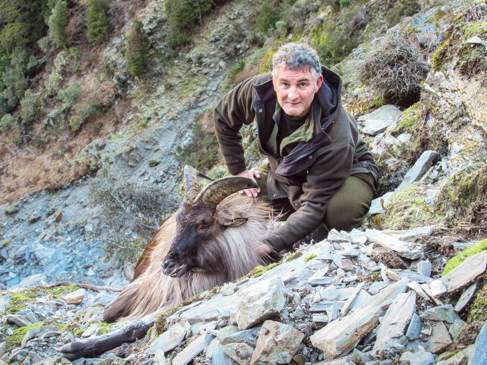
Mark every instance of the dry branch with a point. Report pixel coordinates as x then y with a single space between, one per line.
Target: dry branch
82 285
95 346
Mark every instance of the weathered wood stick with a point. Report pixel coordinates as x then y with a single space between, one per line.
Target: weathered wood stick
82 285
92 347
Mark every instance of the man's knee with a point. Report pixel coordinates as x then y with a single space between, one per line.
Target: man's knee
348 207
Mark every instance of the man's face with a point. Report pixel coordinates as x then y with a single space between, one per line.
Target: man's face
295 89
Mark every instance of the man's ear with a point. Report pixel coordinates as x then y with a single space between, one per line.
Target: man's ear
319 82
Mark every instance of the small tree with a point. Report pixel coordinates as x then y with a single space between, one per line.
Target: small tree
97 21
58 22
182 16
137 48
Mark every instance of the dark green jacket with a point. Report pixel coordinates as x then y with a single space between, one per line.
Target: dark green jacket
313 162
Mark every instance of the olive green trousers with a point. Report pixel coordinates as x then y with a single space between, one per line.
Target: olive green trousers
347 208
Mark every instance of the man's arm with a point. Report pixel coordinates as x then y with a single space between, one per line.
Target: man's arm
234 110
324 179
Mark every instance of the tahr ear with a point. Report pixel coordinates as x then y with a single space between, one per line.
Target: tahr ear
227 218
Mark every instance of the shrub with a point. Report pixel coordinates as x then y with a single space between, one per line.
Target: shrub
335 40
97 21
129 208
6 122
137 49
58 22
267 17
395 71
69 95
272 13
182 16
401 9
82 113
29 107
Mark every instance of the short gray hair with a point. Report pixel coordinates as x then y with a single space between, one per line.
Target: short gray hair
297 56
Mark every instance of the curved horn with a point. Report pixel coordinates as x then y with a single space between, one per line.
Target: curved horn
191 186
219 189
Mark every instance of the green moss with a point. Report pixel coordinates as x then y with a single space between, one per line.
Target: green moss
478 29
59 291
409 120
22 297
294 256
439 55
408 208
261 270
160 323
309 257
463 199
477 310
460 257
15 339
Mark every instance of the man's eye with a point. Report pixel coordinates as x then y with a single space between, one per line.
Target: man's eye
303 85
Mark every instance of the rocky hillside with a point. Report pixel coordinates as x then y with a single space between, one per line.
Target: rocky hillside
102 104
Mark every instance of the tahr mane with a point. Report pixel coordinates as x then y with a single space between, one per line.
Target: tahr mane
236 246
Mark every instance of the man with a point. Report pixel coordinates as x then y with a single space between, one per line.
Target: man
318 163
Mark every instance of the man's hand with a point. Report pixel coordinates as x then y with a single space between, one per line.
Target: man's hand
263 250
253 175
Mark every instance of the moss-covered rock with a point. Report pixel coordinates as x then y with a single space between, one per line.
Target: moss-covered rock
461 256
408 208
463 199
477 310
15 339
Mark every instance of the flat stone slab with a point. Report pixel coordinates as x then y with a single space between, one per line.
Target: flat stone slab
170 338
259 302
341 335
440 337
277 343
389 242
422 164
396 319
380 119
466 297
193 349
466 272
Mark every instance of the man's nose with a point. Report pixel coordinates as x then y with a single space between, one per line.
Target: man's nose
292 93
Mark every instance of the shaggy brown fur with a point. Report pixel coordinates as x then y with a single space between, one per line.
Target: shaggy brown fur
152 290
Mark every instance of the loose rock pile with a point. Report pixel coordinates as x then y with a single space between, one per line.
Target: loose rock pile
337 301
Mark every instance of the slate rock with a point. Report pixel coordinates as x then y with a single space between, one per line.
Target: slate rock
241 353
419 357
247 336
277 343
440 337
258 302
75 297
466 297
170 339
193 349
422 164
424 267
380 119
444 313
479 356
414 328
